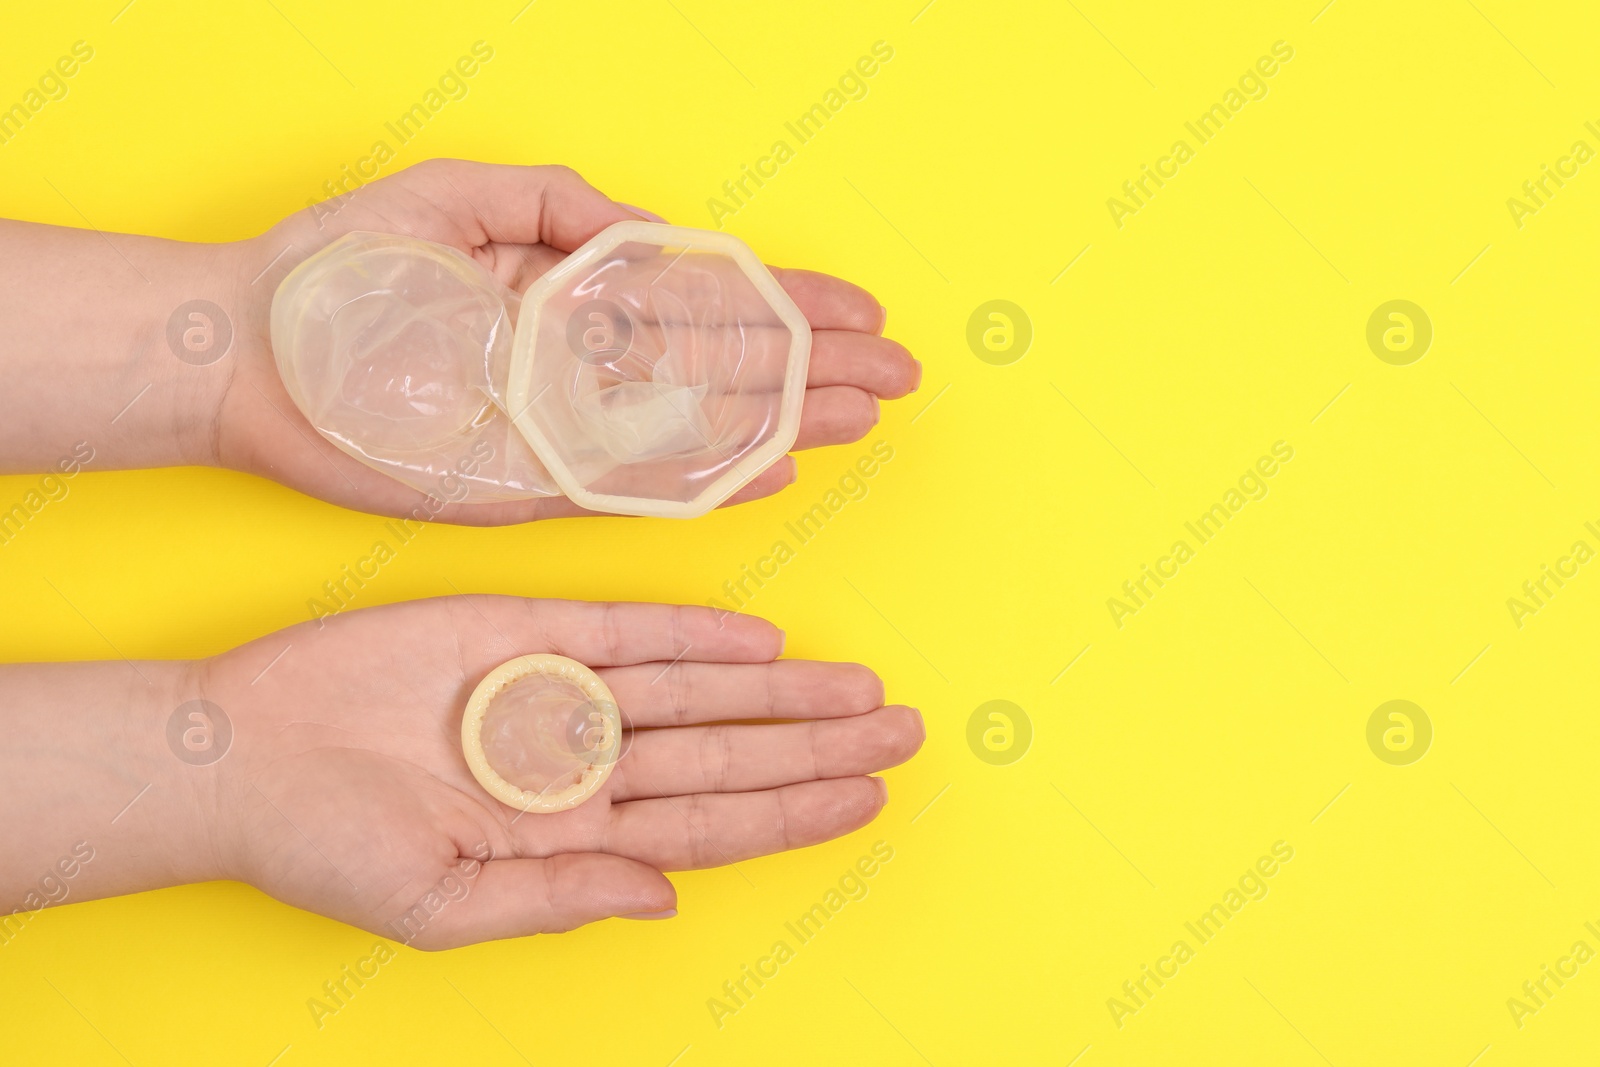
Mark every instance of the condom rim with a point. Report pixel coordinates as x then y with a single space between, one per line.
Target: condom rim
519 383
513 671
302 283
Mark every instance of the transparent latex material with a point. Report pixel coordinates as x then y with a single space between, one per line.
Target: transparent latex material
541 733
654 371
658 369
386 344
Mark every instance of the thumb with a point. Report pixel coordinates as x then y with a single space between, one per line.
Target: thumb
550 205
517 897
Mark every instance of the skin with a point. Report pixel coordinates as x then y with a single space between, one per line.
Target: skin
344 791
88 360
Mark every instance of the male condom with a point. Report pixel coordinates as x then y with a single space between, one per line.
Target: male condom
541 733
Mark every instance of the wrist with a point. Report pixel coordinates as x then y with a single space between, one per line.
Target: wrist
247 414
174 749
204 334
193 741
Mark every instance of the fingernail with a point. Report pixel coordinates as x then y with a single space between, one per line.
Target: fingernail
648 216
918 383
669 913
883 319
883 789
783 641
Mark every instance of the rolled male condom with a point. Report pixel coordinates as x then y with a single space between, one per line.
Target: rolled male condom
541 733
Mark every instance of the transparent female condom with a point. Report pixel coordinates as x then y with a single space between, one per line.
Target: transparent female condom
654 371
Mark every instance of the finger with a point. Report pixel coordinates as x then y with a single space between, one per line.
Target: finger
832 415
517 266
518 897
838 357
881 367
737 759
549 205
702 460
712 829
508 512
614 634
654 694
648 216
830 303
836 415
774 479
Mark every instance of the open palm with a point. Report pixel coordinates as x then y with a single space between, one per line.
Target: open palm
518 222
348 795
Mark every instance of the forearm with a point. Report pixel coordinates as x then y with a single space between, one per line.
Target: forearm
93 800
86 355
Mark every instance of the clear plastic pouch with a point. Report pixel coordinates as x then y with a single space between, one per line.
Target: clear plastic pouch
654 371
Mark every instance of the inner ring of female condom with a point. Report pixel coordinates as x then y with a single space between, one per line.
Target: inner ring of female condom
541 733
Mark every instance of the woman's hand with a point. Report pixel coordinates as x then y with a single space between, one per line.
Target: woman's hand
518 222
345 792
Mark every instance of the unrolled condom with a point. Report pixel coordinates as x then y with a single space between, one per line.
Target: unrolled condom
541 733
654 371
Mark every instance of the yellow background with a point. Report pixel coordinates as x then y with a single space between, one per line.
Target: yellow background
1221 318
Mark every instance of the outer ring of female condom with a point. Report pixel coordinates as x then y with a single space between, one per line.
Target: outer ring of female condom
569 670
522 399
